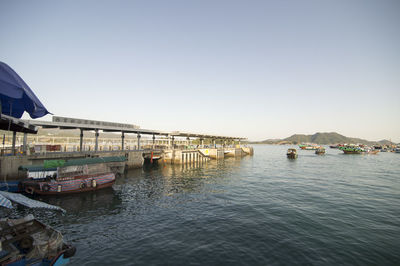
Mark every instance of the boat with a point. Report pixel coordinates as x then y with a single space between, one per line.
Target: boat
369 150
396 150
291 153
308 146
377 147
320 150
372 152
75 176
352 149
27 241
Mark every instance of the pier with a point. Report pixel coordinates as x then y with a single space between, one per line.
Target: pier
136 144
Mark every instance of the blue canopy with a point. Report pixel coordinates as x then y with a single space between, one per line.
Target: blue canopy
16 96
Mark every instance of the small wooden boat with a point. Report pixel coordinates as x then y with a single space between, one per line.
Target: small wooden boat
320 150
27 241
372 152
291 153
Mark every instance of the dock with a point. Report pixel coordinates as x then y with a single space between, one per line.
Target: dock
136 144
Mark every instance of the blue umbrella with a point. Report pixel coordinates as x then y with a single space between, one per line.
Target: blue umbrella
16 96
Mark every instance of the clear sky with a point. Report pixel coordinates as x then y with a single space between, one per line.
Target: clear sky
257 69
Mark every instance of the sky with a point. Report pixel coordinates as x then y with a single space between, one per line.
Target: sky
255 69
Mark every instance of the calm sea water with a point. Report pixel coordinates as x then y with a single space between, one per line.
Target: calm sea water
333 209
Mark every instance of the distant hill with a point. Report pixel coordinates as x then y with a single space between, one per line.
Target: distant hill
321 138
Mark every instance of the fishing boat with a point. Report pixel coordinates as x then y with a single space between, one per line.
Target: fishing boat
320 150
291 153
74 176
352 149
308 146
27 241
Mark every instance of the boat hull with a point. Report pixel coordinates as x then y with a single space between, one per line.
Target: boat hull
351 152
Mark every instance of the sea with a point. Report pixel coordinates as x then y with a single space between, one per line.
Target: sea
331 209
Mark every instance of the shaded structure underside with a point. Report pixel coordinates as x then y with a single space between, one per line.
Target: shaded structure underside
9 123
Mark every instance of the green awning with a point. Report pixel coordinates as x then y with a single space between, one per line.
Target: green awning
51 165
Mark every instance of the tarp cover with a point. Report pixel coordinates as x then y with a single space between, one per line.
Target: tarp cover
4 202
16 96
53 163
73 162
21 199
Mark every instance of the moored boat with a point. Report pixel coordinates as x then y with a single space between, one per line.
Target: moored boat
73 184
75 176
291 153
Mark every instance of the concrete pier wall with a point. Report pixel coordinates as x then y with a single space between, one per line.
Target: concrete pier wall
216 153
9 164
183 156
229 152
248 150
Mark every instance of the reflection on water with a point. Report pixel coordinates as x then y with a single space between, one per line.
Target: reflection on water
100 202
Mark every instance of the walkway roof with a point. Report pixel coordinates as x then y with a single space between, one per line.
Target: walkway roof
15 124
88 127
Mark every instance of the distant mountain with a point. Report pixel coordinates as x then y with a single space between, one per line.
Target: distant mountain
385 142
321 138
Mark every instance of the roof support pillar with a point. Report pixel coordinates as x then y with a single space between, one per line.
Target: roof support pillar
213 143
122 140
187 142
172 141
201 142
154 141
96 144
81 141
24 147
13 142
138 141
